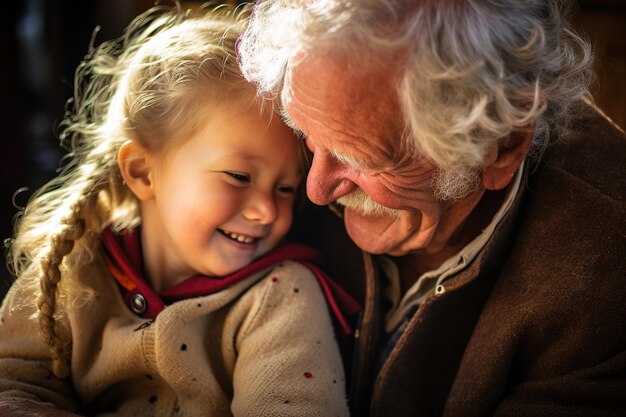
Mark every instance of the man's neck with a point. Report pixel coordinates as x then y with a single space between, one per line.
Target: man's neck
464 227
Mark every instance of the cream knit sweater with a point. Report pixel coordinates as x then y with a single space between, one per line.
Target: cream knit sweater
264 347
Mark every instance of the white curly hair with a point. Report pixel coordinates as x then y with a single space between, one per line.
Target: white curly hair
476 70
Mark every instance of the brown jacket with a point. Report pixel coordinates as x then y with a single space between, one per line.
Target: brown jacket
536 325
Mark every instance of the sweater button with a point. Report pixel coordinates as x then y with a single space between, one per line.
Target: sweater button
138 304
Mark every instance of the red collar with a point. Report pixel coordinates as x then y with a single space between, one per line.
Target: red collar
124 260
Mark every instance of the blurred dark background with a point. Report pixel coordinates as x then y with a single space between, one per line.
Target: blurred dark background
42 42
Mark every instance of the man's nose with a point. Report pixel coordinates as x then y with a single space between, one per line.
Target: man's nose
261 207
328 179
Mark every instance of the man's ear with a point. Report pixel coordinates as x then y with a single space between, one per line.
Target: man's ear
502 162
135 164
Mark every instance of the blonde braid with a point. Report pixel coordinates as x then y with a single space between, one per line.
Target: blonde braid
62 243
122 92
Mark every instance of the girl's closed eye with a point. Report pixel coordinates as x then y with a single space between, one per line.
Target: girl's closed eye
286 189
238 176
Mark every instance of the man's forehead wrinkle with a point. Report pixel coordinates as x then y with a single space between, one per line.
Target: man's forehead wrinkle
349 118
339 128
304 101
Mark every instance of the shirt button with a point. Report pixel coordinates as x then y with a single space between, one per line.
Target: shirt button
138 304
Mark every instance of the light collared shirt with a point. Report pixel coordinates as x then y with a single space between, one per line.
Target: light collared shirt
401 306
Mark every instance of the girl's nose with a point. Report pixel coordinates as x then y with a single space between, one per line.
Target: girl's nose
328 179
261 208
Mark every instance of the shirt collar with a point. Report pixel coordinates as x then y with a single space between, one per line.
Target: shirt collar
401 305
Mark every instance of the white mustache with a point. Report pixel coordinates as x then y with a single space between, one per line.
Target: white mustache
358 200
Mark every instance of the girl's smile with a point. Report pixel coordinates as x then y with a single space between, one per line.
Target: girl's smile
239 238
220 199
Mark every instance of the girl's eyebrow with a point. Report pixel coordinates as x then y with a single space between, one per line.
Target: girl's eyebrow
242 155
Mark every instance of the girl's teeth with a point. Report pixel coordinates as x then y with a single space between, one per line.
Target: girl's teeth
240 238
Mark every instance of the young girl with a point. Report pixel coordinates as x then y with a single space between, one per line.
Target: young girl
154 265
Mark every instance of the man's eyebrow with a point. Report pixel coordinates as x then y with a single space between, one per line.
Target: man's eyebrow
349 160
344 159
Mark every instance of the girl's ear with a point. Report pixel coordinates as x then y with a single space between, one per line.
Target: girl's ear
135 164
502 162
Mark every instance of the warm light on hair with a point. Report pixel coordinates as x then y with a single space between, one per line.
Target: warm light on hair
474 71
146 87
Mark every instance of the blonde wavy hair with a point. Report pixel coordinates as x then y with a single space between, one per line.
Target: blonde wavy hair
143 86
470 72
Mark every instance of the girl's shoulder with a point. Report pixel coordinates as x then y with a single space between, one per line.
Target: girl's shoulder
288 278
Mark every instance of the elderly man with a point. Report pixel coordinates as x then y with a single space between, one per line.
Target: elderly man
503 277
